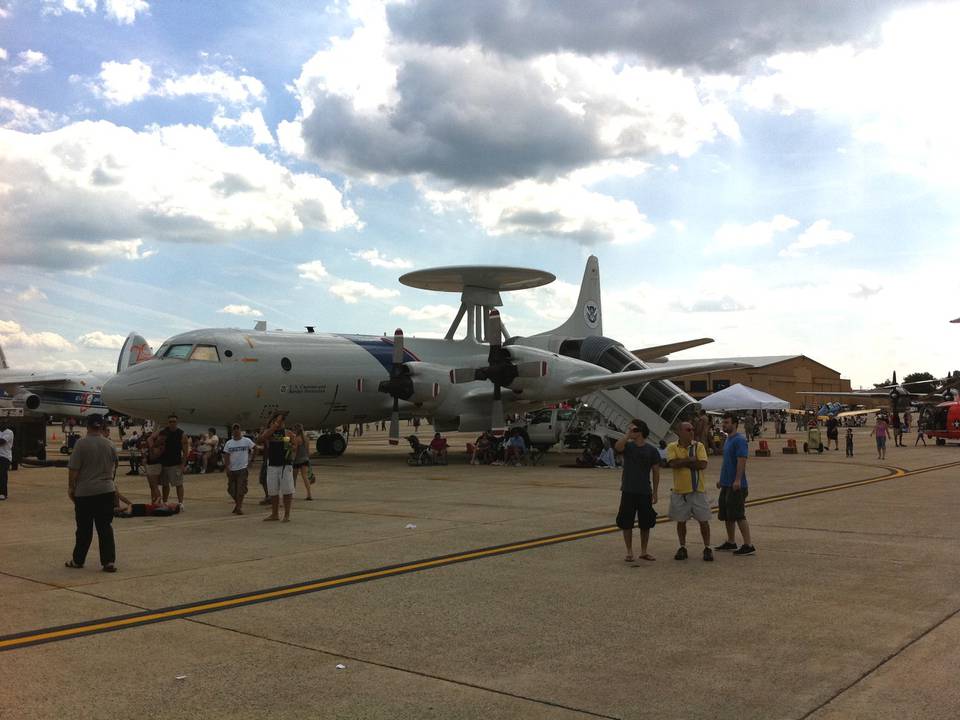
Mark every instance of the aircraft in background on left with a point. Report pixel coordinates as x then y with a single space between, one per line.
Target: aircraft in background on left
64 394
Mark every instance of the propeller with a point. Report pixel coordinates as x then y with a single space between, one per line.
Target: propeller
399 386
402 386
501 370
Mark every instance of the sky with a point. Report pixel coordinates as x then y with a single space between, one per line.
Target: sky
779 176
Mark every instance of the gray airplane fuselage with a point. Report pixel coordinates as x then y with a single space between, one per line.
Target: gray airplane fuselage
323 380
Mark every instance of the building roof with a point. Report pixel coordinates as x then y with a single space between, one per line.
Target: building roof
757 361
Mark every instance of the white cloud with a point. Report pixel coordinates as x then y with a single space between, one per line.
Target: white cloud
125 11
290 135
124 83
31 61
372 105
892 93
732 236
819 234
13 335
250 123
215 85
313 270
561 209
374 257
94 189
435 313
58 7
3 53
14 115
101 340
241 310
351 291
31 294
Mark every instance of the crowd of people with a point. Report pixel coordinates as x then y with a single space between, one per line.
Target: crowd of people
167 452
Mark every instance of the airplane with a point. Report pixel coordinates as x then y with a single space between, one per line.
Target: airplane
218 376
64 394
899 396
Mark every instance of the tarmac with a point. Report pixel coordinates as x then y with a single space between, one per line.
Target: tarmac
461 591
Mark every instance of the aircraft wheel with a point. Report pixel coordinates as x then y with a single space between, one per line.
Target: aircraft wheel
331 444
337 444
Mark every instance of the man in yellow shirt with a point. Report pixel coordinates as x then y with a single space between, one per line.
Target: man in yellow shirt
688 459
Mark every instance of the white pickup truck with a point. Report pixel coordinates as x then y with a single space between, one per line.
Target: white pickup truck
547 427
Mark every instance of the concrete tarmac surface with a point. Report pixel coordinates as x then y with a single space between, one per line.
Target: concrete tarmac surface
849 609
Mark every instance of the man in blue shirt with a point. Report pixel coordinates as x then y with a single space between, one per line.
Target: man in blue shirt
733 488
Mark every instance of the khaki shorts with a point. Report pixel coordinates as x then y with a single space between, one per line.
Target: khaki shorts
237 483
280 480
172 475
153 470
691 505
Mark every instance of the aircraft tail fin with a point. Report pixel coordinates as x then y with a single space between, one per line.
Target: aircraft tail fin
135 350
3 360
587 317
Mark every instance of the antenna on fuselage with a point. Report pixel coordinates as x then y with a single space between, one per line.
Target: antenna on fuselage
479 287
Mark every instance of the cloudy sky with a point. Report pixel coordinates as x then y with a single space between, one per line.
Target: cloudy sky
778 175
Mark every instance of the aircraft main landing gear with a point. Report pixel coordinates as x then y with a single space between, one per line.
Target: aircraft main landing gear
331 444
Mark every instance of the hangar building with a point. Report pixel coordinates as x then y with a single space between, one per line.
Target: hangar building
780 375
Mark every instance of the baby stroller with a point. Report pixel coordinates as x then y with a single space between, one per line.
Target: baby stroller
419 453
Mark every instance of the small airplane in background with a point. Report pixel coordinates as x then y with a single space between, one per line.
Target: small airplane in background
64 394
899 396
218 376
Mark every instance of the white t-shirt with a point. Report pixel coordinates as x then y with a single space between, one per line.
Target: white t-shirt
239 453
6 450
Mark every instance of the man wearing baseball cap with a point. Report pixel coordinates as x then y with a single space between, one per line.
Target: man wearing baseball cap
91 487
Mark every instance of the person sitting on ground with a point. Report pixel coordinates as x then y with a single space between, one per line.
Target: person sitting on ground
590 454
607 458
438 449
417 449
516 449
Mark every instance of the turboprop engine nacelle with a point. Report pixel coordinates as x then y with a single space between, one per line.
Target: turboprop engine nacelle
27 400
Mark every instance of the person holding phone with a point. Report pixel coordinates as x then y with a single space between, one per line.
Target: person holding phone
641 461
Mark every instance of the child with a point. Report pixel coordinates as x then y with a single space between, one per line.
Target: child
849 442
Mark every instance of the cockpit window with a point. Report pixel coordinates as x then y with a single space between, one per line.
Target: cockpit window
177 352
207 353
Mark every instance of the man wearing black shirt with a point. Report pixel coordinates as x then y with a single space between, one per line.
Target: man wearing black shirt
176 446
637 497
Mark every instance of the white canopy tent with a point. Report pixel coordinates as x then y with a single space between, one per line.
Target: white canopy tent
741 397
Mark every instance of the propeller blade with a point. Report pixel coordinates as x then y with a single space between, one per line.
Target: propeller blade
397 346
462 375
532 369
496 418
395 422
494 328
894 377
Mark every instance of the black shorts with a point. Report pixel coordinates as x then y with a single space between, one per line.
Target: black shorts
731 505
636 508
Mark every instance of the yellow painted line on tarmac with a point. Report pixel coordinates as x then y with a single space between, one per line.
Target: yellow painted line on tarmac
53 634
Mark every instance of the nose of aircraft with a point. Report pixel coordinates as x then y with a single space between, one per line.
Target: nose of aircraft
136 393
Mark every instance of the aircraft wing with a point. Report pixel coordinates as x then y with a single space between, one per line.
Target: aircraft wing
862 394
581 384
956 321
12 378
658 353
851 413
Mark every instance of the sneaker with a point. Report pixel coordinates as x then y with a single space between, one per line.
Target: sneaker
707 555
745 550
726 546
681 553
3 497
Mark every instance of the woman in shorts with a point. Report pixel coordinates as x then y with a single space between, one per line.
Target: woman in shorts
301 461
153 451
